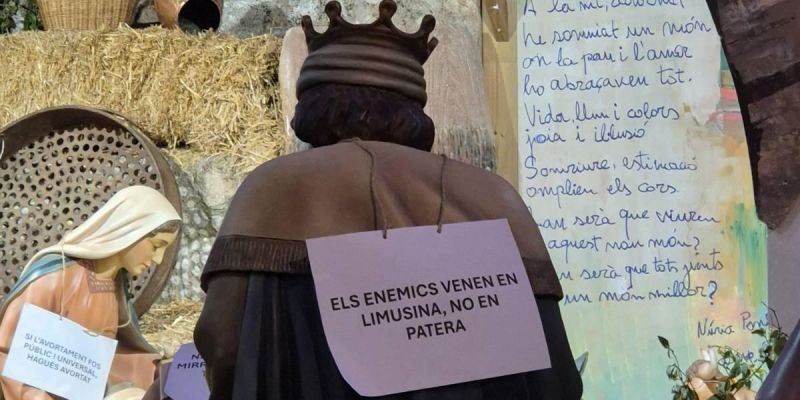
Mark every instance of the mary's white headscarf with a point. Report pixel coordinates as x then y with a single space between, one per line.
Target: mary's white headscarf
131 214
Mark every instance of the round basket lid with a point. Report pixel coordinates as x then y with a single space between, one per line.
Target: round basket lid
58 167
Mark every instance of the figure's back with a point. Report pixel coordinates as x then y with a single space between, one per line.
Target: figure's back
327 191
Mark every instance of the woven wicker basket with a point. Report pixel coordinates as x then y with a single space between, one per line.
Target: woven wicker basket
82 15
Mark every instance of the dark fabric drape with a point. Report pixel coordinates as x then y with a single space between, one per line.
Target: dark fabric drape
265 341
256 254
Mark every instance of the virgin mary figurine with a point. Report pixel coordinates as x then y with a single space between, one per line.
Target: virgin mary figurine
84 278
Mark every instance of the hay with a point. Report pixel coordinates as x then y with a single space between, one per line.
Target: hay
167 326
185 158
211 93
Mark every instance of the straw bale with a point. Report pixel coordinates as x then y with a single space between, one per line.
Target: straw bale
185 158
210 93
169 325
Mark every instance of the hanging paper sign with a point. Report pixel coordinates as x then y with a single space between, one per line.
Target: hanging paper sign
422 309
59 356
186 379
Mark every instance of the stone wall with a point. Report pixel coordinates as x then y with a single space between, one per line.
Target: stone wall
258 17
206 190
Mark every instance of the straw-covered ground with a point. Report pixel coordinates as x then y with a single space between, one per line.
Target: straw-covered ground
167 326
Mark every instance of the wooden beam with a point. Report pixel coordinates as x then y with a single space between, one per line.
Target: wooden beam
496 14
500 73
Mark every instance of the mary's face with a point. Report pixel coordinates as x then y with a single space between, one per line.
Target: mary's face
147 251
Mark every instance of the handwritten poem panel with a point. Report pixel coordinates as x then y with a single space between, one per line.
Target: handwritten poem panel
633 162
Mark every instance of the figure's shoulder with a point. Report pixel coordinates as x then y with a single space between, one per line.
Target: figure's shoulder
279 192
485 184
479 175
46 264
46 272
289 167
